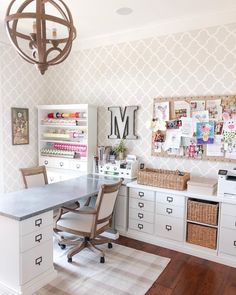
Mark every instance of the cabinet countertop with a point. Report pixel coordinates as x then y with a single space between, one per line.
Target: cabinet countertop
187 194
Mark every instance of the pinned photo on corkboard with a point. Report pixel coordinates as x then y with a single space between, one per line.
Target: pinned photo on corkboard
20 126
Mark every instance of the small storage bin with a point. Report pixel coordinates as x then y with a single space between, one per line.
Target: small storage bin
202 186
163 178
201 235
203 211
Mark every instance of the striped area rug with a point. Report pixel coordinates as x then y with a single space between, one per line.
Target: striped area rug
126 272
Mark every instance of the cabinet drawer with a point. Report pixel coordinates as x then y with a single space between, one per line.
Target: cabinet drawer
168 210
47 161
35 223
228 221
142 194
36 238
228 241
141 205
170 199
78 166
170 227
141 226
36 261
141 215
228 209
62 163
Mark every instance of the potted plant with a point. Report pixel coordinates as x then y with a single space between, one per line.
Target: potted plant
120 149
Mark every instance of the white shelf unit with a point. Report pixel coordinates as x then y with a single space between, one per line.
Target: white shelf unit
71 134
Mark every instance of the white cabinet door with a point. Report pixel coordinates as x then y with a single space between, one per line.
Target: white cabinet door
120 215
170 227
228 241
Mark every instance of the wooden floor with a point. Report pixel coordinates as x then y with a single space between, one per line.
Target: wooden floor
187 275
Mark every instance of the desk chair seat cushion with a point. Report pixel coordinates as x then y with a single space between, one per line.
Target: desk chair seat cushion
79 222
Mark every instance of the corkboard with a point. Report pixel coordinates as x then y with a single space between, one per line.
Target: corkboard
227 101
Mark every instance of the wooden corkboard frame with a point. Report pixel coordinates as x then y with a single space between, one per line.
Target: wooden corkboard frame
224 99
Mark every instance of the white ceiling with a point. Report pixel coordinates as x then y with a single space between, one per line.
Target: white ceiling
95 18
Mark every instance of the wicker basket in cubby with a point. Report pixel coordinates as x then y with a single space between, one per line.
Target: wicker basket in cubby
163 178
203 211
201 235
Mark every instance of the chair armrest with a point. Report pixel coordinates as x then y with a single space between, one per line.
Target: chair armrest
84 210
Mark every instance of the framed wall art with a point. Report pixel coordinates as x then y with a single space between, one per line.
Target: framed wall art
20 126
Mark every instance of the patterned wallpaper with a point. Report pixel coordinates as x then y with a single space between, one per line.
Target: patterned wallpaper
201 62
21 86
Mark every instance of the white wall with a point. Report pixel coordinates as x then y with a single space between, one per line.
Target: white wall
201 62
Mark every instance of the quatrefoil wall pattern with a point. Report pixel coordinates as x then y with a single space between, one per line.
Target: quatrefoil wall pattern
201 62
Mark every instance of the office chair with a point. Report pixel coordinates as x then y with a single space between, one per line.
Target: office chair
37 176
88 223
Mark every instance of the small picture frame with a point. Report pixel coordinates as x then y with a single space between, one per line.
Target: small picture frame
20 126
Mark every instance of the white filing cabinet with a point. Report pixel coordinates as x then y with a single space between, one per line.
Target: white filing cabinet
30 243
227 239
121 208
170 216
141 210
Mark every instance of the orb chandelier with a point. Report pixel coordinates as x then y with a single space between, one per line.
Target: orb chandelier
45 45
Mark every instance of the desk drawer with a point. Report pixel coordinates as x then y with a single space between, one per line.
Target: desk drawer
228 241
228 209
170 227
36 261
142 194
78 166
141 205
170 199
228 221
141 226
35 223
141 215
168 210
36 238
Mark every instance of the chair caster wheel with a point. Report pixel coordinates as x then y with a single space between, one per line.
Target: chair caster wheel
110 245
102 260
62 246
69 259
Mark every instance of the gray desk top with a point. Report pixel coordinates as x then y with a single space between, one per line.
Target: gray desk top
30 202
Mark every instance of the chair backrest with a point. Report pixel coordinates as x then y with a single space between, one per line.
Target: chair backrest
106 201
35 176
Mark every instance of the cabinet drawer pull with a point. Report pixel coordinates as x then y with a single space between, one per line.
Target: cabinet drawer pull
140 226
169 199
78 166
39 260
168 227
141 194
234 243
141 205
61 164
45 162
38 222
235 223
140 215
38 238
169 210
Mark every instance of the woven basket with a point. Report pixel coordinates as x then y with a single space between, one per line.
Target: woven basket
201 235
203 211
163 178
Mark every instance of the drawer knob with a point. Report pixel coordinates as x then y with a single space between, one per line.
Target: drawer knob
141 194
39 260
38 222
140 226
45 162
141 205
234 243
169 199
78 166
168 227
61 164
38 238
140 215
169 210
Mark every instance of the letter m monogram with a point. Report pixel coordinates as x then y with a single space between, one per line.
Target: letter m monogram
123 123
